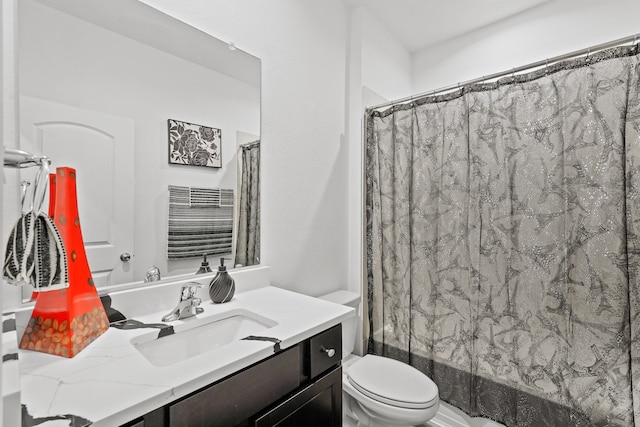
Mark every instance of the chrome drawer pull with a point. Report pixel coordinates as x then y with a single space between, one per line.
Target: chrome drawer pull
330 352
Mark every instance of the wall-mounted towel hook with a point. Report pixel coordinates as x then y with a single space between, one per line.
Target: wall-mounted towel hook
15 158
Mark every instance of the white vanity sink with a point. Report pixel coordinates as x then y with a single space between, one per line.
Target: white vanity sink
194 336
129 372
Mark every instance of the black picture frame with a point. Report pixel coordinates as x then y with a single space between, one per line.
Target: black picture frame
194 145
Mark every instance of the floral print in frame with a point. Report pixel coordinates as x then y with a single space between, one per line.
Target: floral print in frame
195 145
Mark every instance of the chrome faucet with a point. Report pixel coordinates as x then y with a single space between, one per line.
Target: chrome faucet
188 305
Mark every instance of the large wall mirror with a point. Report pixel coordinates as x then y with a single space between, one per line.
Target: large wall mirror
99 82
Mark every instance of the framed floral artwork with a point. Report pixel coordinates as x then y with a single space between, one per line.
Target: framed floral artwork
194 145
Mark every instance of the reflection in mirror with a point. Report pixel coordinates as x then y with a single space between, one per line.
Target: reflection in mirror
99 81
248 240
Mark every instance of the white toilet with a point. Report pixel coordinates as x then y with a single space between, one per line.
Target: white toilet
378 391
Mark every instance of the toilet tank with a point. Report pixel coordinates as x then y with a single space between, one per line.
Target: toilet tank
349 326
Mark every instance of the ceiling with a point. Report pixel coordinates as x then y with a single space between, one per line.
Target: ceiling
419 24
148 25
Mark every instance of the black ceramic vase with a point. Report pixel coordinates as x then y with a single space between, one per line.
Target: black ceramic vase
222 287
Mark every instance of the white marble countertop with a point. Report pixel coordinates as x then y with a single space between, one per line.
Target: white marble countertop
110 383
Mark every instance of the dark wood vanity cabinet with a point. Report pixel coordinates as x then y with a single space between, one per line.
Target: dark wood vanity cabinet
299 386
317 405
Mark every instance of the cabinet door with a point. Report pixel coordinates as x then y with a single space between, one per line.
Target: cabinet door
318 405
230 402
152 419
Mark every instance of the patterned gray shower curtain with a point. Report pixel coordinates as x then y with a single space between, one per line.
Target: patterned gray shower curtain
503 242
248 233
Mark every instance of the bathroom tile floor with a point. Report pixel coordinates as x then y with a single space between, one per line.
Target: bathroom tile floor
447 416
450 416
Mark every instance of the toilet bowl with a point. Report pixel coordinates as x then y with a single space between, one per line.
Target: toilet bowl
378 391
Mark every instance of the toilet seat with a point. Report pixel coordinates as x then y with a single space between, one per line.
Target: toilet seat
393 383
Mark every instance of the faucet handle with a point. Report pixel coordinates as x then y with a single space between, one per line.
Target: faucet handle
189 290
152 274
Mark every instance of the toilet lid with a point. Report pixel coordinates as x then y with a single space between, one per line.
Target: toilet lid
392 382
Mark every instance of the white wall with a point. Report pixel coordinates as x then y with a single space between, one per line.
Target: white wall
555 28
314 70
302 45
386 63
66 60
9 125
379 68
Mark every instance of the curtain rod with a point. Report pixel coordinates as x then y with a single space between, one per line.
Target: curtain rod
545 63
250 144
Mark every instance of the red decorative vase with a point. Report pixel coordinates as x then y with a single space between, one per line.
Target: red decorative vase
65 321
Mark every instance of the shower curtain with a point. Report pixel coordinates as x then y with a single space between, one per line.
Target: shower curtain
503 242
248 241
